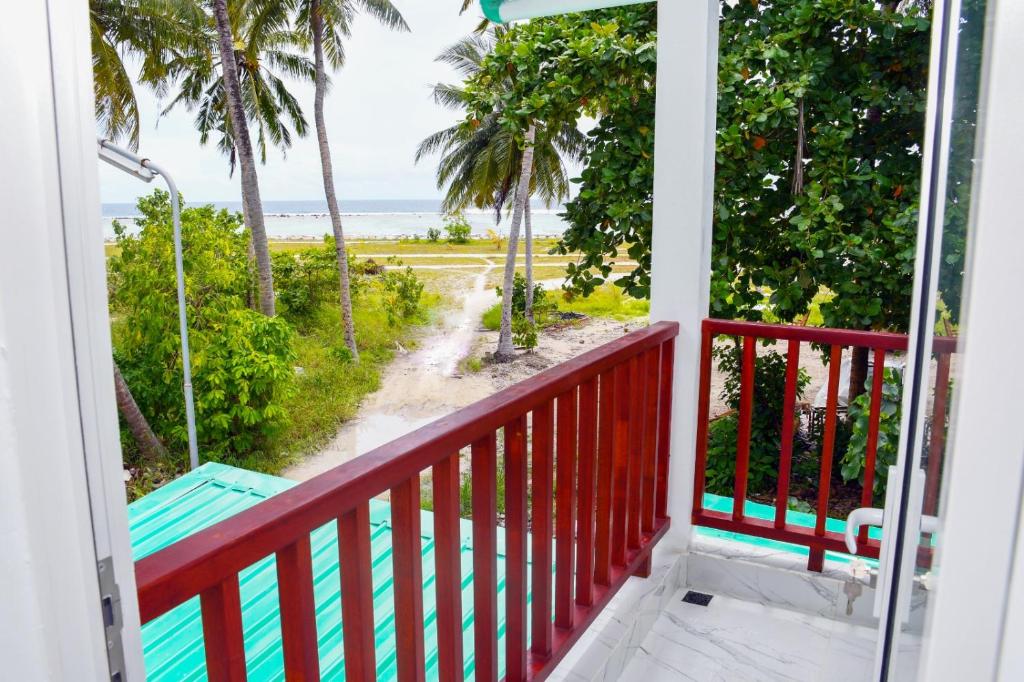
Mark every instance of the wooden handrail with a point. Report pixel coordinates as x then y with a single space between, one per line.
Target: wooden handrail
208 562
817 539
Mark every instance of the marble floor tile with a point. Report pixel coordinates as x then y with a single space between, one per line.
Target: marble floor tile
735 641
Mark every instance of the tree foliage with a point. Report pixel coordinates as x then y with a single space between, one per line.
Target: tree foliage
820 125
241 360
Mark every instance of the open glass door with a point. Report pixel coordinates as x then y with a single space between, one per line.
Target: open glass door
912 519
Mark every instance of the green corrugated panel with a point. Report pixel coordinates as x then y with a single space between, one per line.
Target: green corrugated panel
173 643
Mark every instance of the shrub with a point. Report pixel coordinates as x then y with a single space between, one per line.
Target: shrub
305 280
765 422
241 360
524 332
540 303
858 416
433 234
402 291
457 228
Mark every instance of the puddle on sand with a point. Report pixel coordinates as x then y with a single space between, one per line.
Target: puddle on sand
416 390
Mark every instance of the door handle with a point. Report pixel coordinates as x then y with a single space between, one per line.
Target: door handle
862 516
871 516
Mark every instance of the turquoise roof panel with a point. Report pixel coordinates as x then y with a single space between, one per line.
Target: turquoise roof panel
173 644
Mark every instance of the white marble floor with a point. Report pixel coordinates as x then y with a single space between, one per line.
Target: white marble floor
734 641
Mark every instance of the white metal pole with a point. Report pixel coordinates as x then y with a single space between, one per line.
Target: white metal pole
144 169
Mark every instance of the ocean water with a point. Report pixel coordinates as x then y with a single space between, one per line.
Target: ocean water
361 219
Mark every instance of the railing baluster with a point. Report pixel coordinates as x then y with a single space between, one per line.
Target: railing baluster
664 426
585 506
298 612
743 436
542 529
515 549
223 639
703 413
637 404
447 569
407 567
871 451
485 558
565 508
816 557
650 460
605 439
937 442
356 570
620 466
786 445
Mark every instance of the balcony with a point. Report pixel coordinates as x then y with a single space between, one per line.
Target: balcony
567 476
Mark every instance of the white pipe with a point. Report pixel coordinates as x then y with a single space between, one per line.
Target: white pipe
144 169
504 11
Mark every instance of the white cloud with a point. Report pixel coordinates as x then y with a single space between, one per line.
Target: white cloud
378 110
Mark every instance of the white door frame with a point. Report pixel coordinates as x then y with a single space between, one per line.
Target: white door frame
978 605
62 502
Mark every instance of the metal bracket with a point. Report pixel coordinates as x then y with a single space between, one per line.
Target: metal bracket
113 623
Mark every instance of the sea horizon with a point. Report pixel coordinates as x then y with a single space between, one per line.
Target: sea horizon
362 218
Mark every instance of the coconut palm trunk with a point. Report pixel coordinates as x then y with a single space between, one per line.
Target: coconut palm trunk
149 445
506 350
528 212
246 159
317 25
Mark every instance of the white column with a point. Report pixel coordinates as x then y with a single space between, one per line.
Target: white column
684 168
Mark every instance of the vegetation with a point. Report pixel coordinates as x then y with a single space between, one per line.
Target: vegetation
457 228
484 164
327 22
266 388
765 422
858 416
606 301
241 360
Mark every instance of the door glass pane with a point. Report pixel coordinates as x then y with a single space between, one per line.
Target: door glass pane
943 370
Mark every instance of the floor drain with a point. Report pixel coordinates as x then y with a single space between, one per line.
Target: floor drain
698 598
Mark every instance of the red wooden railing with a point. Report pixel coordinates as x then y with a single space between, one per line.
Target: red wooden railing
817 539
598 449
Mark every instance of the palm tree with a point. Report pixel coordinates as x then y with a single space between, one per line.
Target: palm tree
150 31
327 22
482 165
233 82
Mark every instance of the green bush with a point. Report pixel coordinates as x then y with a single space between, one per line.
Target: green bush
524 332
402 291
433 234
765 422
458 229
308 279
540 296
241 360
858 417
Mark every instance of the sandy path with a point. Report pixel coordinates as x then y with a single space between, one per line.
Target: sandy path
426 384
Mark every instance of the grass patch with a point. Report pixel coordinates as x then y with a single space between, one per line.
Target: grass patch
607 301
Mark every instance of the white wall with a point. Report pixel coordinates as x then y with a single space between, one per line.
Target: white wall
684 162
58 429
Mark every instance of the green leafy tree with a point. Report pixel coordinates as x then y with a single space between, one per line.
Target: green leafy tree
327 23
241 359
820 124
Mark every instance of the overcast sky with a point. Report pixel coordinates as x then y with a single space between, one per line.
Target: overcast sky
378 110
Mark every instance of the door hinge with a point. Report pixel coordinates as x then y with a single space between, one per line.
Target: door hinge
110 605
